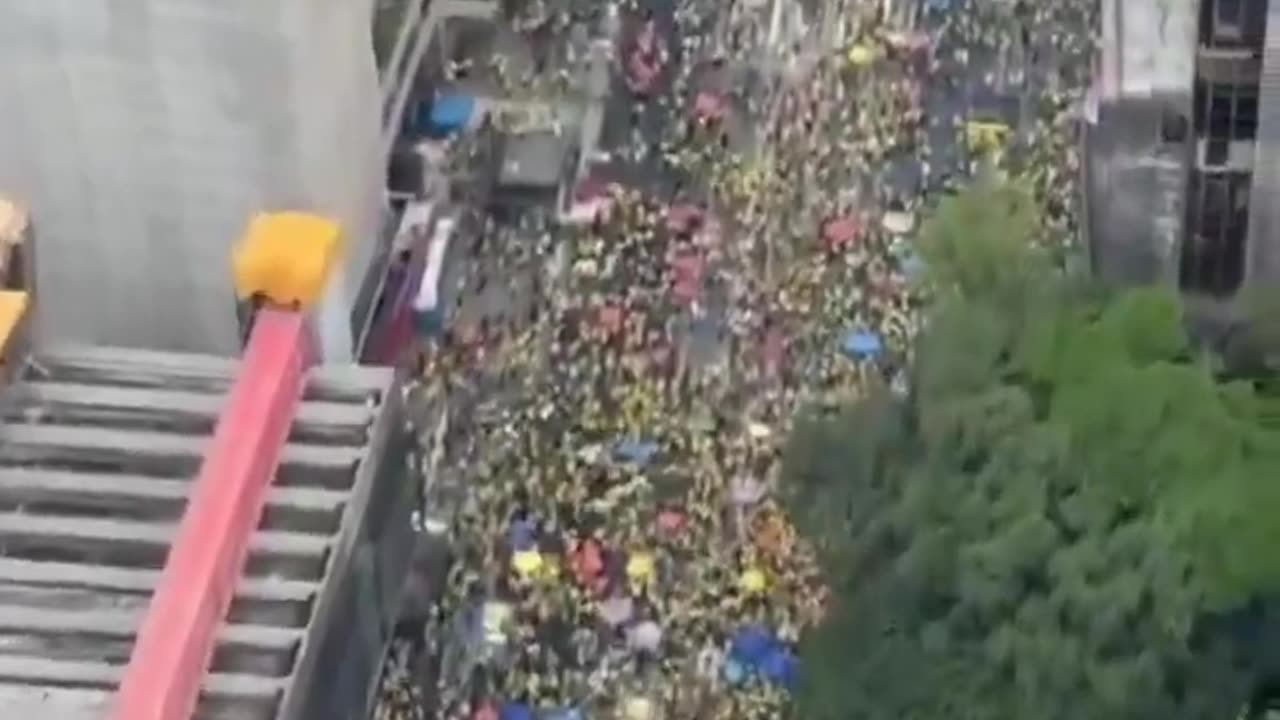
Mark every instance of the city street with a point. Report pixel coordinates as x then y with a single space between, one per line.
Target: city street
567 434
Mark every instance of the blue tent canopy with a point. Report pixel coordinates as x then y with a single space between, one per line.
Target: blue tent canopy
861 345
639 452
451 113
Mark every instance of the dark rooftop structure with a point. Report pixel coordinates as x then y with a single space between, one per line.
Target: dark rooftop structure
533 167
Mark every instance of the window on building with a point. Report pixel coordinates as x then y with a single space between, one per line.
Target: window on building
1233 23
1244 124
1213 250
1226 111
1217 152
1228 19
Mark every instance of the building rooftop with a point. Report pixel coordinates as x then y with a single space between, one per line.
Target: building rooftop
533 160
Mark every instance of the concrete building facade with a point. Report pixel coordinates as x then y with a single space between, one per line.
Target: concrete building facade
1183 154
1139 146
143 134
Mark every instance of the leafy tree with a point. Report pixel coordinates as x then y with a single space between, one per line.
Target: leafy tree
1070 517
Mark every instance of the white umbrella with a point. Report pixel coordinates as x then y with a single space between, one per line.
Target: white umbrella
646 636
616 610
898 223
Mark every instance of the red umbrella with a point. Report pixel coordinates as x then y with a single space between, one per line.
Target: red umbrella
641 73
671 521
683 217
840 231
708 107
687 266
645 59
611 317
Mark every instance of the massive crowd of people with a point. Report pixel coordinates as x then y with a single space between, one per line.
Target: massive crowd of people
620 550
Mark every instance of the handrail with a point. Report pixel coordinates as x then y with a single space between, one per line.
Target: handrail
176 639
283 260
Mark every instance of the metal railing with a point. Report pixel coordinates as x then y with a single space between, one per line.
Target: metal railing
414 34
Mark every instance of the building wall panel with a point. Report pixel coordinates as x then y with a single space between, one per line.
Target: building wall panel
1263 256
143 133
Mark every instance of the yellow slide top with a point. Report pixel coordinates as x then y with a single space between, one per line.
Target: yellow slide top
13 307
286 258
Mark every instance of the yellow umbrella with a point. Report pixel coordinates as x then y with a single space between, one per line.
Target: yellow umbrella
640 567
527 563
861 55
753 581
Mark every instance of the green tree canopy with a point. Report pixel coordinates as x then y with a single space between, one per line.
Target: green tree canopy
1051 522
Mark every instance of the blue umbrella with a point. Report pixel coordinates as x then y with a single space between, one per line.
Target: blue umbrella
451 113
912 265
751 645
521 535
861 345
515 711
639 452
734 672
780 668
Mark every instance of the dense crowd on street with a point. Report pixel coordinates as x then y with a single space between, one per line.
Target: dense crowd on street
621 550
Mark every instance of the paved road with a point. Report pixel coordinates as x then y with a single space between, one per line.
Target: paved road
630 122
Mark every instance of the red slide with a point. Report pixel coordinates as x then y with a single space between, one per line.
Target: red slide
176 638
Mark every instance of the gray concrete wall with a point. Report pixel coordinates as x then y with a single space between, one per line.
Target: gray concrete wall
1262 261
1136 194
144 133
1135 181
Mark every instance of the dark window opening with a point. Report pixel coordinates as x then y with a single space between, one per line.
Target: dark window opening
1244 125
1213 251
1233 23
1228 16
1217 151
1226 112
